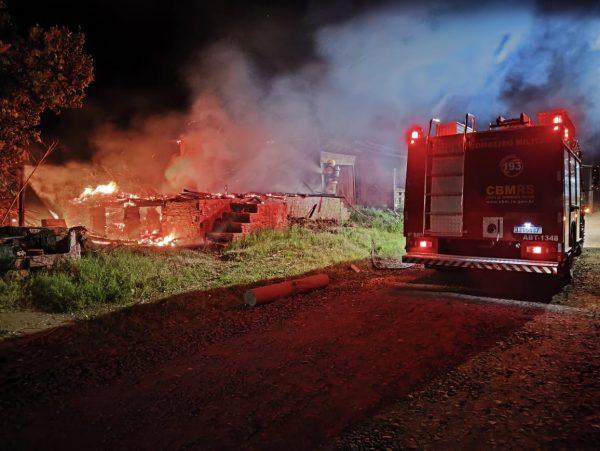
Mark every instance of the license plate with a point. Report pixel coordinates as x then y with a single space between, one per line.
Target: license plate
533 230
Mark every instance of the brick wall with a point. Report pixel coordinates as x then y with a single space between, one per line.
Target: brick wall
181 218
273 215
268 216
190 220
211 210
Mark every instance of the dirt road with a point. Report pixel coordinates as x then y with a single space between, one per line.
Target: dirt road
202 372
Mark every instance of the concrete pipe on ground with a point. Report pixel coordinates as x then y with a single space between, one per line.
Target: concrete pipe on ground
269 293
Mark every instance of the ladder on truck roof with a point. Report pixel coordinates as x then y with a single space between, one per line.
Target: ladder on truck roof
445 181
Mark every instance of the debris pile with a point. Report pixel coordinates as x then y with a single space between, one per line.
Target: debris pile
23 248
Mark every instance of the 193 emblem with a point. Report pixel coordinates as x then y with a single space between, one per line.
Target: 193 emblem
511 166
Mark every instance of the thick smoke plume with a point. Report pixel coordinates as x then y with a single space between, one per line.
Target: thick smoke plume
559 66
372 77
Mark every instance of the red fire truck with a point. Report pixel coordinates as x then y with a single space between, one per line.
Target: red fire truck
506 199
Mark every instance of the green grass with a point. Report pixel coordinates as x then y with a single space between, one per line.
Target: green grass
373 218
117 277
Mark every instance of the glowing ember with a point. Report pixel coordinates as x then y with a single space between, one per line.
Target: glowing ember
158 241
101 242
109 188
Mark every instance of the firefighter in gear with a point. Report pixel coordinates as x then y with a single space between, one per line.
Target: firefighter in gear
331 172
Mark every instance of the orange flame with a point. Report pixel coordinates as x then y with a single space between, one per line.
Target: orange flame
109 188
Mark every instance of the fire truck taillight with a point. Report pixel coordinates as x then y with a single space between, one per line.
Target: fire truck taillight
422 245
539 249
534 249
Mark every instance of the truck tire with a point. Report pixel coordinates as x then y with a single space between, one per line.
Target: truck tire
566 271
573 239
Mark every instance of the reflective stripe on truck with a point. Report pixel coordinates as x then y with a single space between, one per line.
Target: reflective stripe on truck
497 264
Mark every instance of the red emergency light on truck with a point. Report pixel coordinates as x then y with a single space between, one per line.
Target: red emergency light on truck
506 199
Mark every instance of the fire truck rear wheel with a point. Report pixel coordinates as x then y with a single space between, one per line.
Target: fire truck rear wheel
566 272
573 239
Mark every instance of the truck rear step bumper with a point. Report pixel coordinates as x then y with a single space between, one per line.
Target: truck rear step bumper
497 264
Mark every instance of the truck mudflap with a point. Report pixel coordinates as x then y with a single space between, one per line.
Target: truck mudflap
495 264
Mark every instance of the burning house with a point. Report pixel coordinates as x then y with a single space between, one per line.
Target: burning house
142 216
191 218
185 219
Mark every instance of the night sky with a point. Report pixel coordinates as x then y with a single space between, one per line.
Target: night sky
140 46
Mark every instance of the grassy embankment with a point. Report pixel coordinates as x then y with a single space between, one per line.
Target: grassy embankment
117 277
